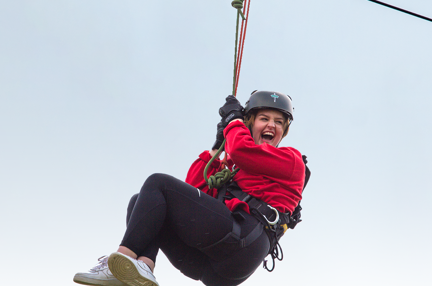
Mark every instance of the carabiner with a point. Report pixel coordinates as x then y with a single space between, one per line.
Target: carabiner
277 216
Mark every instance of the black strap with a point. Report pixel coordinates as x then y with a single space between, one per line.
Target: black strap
252 236
307 171
296 215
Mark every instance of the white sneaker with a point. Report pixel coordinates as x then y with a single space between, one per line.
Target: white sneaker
98 275
131 271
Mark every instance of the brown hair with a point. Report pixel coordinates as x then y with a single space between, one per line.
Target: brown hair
249 119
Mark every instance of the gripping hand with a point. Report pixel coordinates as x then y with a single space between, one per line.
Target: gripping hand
232 109
219 136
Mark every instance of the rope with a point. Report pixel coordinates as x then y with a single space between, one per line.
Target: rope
238 4
242 40
225 175
222 177
238 49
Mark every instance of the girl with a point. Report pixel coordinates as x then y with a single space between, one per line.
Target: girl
219 236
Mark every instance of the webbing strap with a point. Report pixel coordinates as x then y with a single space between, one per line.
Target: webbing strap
251 237
236 229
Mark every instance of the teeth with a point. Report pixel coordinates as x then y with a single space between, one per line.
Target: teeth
268 134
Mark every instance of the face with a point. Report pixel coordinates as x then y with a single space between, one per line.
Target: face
268 127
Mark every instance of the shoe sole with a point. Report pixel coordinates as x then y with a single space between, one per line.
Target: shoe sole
91 281
124 270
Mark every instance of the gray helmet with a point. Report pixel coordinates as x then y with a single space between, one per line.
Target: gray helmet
270 99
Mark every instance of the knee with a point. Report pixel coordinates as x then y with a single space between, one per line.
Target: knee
133 200
131 207
156 179
160 183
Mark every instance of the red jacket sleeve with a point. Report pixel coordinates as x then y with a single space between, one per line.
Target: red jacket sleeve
274 175
195 175
261 159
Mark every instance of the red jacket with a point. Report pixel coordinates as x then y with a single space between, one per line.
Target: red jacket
274 175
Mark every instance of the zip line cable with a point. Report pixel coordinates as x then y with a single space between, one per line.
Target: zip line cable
225 175
401 10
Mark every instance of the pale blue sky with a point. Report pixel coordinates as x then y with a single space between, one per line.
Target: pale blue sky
95 96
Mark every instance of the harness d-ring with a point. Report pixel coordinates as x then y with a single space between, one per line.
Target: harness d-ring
276 219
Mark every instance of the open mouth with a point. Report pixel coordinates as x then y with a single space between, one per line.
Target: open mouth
267 136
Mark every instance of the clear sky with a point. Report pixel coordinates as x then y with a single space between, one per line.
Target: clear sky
95 96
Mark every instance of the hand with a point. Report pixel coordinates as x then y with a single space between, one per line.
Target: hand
219 136
231 110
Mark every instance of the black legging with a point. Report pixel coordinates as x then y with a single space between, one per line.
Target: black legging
184 223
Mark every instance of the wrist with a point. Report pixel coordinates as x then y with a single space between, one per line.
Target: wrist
213 152
238 119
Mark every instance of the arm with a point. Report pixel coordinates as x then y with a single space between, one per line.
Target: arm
231 110
195 175
213 152
266 160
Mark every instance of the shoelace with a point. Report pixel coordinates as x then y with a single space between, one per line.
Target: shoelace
103 263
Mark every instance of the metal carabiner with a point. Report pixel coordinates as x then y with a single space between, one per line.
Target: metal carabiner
277 216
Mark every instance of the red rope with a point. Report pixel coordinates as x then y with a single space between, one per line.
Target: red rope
239 51
242 41
238 63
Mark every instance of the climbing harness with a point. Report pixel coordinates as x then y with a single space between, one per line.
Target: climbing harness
273 222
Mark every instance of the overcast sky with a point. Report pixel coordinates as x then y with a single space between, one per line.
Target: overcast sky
95 96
